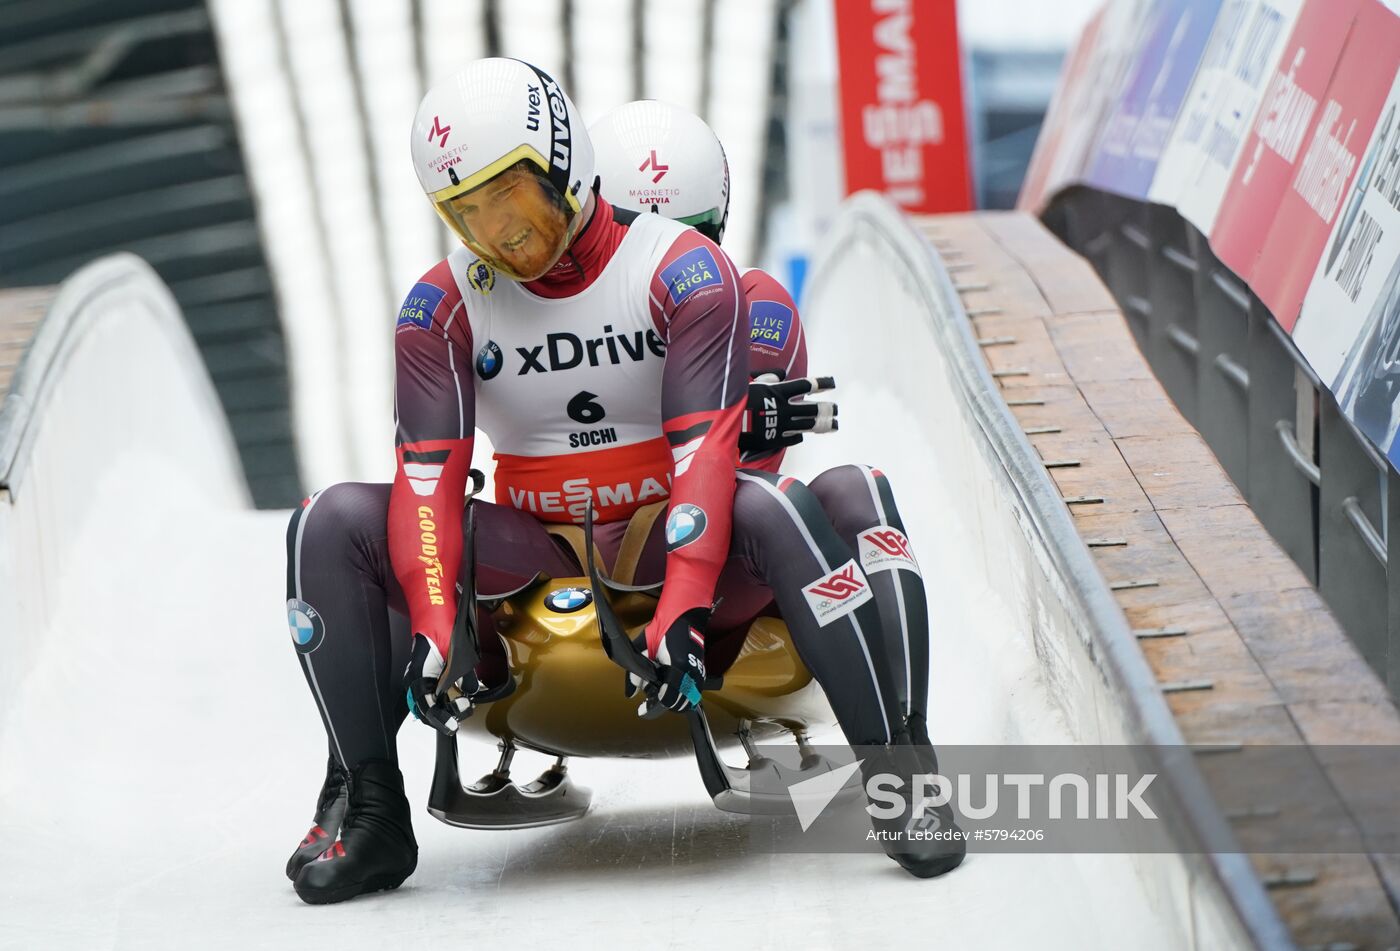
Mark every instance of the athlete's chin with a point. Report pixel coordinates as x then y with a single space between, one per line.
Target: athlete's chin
528 263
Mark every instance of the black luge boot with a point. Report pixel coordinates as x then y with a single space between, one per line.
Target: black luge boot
375 849
330 809
918 735
924 845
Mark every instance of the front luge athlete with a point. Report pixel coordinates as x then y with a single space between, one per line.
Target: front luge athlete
605 354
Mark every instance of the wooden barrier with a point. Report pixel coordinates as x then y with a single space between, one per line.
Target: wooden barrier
1242 645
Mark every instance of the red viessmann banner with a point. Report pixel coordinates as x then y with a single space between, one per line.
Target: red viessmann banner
902 103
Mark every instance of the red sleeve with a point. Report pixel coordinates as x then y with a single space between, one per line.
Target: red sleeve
698 306
777 342
776 339
435 409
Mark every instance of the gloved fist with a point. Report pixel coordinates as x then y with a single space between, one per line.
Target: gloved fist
680 658
777 415
441 709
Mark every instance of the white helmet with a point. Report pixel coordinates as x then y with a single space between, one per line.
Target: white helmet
507 162
656 157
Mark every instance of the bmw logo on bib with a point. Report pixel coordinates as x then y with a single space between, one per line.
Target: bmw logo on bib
568 600
686 524
305 624
489 360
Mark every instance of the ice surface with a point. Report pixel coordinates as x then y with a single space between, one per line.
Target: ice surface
162 758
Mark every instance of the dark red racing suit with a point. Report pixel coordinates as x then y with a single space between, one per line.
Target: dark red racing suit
618 379
560 366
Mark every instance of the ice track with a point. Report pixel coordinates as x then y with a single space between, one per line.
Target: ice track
162 757
160 754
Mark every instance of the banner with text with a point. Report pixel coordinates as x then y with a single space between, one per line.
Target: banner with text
1346 117
1349 330
1137 129
1284 124
902 117
1220 107
1283 148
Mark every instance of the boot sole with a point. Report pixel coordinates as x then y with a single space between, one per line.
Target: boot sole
926 868
375 883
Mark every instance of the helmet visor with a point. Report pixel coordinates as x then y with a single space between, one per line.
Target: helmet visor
709 223
516 221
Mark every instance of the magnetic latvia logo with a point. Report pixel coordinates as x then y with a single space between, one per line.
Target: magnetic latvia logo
568 600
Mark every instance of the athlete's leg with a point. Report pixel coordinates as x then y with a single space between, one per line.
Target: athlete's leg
338 591
787 544
784 536
338 568
347 616
860 504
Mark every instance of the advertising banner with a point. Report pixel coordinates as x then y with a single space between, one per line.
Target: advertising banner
1220 107
1349 330
1071 91
1137 129
902 121
1328 162
1283 125
1080 115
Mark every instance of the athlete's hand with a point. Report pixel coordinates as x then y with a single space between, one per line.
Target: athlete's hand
778 416
680 658
441 709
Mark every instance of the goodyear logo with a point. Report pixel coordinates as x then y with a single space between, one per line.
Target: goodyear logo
419 305
769 324
690 272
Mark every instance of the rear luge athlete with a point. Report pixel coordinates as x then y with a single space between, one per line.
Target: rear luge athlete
656 158
605 354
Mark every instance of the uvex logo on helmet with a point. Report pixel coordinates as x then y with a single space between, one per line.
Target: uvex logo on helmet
559 115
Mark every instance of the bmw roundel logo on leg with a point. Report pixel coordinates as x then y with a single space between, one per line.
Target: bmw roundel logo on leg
568 600
305 625
686 524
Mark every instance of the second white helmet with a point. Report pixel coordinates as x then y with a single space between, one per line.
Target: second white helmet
652 156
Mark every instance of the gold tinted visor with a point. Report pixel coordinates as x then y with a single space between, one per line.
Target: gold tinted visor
512 215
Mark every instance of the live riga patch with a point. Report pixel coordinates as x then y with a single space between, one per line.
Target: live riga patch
419 305
769 324
692 271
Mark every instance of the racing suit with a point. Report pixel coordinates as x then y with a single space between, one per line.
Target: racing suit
618 379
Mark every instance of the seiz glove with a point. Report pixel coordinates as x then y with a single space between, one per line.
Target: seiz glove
443 710
680 660
777 416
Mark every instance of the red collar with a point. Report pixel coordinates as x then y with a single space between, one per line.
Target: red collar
585 258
